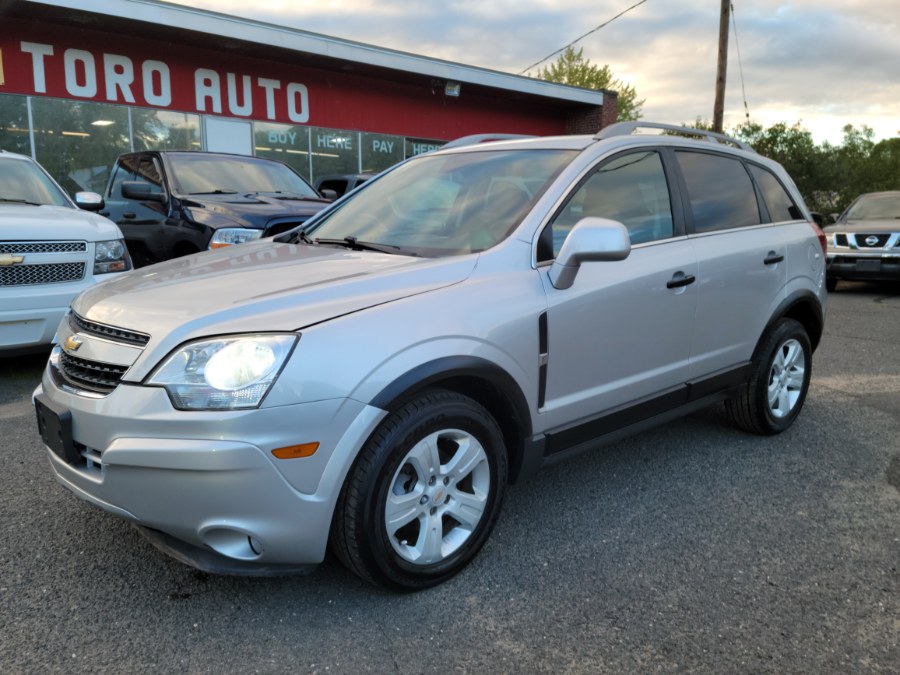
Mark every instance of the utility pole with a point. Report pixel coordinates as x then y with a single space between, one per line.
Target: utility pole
722 66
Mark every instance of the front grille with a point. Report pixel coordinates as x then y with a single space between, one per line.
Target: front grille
109 332
90 375
56 273
862 243
841 240
42 246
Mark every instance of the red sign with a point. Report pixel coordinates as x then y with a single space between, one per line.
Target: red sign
40 59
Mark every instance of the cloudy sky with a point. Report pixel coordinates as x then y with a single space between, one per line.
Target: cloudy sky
823 63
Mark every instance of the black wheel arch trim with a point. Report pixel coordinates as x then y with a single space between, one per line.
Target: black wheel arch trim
812 311
450 367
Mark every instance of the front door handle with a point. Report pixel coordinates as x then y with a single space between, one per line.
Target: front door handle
129 214
773 258
680 279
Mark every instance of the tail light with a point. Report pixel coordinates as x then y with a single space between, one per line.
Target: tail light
823 241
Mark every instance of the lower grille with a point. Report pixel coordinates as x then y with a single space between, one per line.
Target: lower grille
94 376
56 273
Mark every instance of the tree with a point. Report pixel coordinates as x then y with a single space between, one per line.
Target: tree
573 69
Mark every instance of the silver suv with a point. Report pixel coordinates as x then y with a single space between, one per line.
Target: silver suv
377 379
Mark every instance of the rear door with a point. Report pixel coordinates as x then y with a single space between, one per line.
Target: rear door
741 256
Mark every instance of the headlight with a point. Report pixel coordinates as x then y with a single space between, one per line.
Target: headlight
111 256
228 236
229 373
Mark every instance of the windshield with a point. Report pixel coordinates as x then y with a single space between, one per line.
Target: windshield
437 205
875 207
22 181
211 174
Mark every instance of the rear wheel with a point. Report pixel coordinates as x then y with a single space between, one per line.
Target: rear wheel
424 494
779 381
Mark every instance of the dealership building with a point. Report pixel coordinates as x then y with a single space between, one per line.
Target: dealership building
82 81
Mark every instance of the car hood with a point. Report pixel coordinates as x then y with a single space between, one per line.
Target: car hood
22 222
867 226
253 209
261 286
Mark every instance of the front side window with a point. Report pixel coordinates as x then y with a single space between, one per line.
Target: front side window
720 191
437 205
631 189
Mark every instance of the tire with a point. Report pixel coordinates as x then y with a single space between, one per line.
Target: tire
830 283
424 493
779 381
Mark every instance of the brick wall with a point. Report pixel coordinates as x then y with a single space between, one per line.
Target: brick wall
593 120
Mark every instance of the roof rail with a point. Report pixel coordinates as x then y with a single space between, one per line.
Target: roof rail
474 139
627 128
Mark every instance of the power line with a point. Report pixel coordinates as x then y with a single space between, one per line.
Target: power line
582 37
740 65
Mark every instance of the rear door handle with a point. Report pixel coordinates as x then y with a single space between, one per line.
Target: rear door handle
773 258
680 279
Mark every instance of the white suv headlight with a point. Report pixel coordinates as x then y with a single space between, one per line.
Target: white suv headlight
227 373
228 236
111 256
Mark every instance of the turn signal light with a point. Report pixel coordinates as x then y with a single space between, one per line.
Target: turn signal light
296 451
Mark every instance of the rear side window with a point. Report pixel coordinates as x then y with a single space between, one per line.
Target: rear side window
779 203
720 191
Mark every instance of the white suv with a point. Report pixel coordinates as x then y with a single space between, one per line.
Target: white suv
50 251
377 378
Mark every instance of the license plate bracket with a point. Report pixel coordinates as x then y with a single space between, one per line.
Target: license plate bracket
868 265
55 427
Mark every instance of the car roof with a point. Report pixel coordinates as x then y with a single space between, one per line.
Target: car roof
14 155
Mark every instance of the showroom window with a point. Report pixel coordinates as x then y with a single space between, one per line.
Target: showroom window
14 124
333 151
164 130
78 141
380 152
286 143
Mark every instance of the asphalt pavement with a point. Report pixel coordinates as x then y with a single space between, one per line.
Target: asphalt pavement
690 548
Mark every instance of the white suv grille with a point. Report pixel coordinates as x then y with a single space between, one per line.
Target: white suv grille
53 273
42 247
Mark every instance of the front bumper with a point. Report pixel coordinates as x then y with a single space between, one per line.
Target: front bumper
862 266
209 481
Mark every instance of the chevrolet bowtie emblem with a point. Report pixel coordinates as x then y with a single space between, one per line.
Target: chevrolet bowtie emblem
7 259
73 342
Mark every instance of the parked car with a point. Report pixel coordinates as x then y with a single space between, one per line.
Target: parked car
864 241
173 203
374 381
342 183
50 251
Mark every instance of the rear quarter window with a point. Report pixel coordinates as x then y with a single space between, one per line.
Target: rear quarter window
779 203
720 191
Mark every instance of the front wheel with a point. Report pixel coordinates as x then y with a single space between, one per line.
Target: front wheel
424 493
779 381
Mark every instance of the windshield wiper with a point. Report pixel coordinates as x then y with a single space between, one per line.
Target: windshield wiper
356 244
217 191
10 200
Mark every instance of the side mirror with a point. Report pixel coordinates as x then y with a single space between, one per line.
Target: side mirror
89 201
328 194
140 191
592 239
817 218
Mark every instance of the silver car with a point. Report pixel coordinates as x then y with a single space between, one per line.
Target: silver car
864 242
375 381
